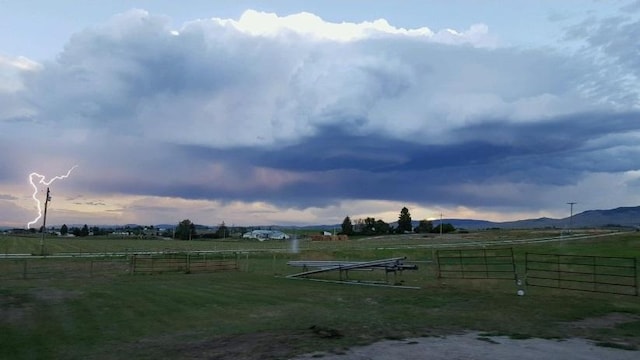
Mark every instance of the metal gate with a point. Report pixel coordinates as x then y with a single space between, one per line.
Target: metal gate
613 275
476 264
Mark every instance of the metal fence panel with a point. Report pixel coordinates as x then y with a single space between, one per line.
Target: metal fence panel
481 263
186 263
84 267
614 275
61 268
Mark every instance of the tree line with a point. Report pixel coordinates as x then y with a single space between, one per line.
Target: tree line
371 226
187 230
96 230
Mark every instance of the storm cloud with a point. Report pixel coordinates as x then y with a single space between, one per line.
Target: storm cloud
300 113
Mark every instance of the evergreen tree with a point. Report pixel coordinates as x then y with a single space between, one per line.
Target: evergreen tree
84 231
347 226
404 221
64 230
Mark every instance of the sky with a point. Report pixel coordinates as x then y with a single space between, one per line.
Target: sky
305 112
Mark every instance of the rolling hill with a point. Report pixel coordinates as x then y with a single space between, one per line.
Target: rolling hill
619 217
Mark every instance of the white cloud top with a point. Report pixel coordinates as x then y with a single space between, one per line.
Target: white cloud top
249 78
312 26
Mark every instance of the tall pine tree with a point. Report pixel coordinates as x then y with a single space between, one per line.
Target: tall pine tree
404 221
347 226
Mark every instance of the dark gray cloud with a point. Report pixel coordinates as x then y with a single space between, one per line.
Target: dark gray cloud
211 111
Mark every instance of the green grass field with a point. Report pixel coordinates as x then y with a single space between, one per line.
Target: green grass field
257 313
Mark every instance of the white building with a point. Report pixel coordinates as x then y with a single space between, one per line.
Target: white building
263 235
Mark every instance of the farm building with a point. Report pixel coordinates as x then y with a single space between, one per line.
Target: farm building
263 235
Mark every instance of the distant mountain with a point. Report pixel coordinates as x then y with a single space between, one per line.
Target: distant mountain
622 216
469 224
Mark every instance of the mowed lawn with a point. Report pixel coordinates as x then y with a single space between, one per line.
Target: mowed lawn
257 313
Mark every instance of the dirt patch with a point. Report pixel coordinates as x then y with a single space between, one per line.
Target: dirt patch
52 295
434 344
608 330
287 345
13 310
478 347
241 347
16 309
256 346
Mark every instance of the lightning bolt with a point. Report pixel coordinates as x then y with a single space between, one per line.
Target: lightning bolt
43 182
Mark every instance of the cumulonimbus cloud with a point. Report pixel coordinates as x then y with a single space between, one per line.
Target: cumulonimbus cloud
270 80
301 109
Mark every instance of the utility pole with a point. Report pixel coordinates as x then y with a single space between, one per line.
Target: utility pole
44 222
441 224
571 215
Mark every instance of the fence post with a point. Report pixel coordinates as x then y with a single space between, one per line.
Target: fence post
188 263
237 265
526 268
558 269
594 275
486 265
635 267
515 270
